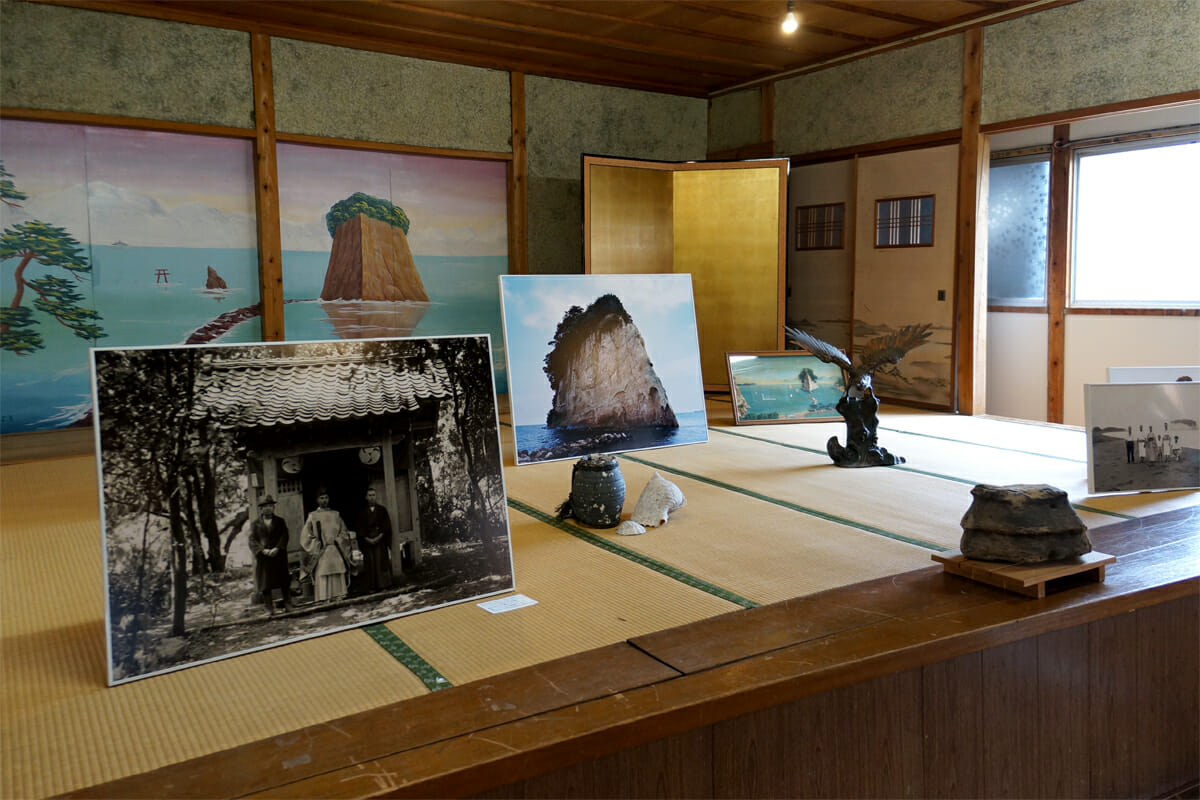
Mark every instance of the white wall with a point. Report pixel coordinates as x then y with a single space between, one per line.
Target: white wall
1096 342
1017 365
820 281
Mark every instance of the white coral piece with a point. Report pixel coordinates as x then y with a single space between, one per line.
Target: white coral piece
658 500
631 528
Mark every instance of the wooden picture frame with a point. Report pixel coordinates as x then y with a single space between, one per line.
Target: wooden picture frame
788 386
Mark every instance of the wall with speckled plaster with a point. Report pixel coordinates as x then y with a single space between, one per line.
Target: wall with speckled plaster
1089 53
901 93
735 120
124 66
563 121
322 90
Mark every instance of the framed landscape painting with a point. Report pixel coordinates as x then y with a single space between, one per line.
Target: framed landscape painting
788 386
601 364
1142 436
254 495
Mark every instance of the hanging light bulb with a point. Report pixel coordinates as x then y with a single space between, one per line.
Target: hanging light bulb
790 21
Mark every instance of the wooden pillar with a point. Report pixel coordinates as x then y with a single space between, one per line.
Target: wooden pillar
767 117
266 191
1057 269
518 233
970 301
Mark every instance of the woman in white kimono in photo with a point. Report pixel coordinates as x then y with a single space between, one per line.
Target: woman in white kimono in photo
325 535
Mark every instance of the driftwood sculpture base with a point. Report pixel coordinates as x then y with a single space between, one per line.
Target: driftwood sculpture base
862 448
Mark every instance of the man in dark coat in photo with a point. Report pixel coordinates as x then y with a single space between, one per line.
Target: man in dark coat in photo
375 541
269 544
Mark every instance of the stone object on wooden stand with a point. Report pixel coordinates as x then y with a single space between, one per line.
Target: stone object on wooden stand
1022 524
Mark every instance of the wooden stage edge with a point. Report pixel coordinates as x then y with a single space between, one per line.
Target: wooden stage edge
922 648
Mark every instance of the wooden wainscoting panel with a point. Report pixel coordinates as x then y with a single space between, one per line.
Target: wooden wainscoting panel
884 754
953 726
1060 697
677 766
1010 719
1112 667
857 741
1167 732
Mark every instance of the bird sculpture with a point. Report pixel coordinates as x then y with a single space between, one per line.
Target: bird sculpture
858 405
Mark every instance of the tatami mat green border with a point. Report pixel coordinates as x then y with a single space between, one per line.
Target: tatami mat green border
418 666
862 526
637 558
929 473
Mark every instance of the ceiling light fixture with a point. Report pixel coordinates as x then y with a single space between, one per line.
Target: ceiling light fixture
791 22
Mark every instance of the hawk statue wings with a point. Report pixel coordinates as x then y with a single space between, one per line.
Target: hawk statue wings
858 405
878 352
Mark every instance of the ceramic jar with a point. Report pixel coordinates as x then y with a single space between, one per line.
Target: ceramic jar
597 491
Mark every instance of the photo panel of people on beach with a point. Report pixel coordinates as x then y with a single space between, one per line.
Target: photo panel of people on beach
1142 436
601 364
254 495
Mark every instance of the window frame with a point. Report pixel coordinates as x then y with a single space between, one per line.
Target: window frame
1028 155
1116 144
906 198
803 228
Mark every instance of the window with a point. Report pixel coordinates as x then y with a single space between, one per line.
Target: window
904 222
1018 231
1137 209
820 227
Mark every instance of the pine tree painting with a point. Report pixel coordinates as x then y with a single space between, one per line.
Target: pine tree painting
54 296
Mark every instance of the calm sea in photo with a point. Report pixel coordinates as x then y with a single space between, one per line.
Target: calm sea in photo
693 428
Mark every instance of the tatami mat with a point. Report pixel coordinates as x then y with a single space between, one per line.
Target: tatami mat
750 545
62 727
768 518
586 598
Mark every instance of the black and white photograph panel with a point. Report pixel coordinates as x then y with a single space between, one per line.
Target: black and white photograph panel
254 495
1142 436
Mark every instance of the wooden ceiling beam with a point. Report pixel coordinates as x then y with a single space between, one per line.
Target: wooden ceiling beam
604 41
868 11
692 33
732 13
694 48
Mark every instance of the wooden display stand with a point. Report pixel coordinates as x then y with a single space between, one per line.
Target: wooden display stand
1027 579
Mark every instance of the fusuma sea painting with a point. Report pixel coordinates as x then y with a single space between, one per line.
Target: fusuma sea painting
114 237
380 244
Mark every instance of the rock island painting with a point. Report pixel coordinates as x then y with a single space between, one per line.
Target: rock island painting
1142 436
115 237
601 364
258 494
391 244
783 387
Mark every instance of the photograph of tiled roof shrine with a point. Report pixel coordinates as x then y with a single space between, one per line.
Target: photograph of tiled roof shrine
258 494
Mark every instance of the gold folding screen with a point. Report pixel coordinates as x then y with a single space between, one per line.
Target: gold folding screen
722 222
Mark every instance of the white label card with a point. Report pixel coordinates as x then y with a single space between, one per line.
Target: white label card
510 603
